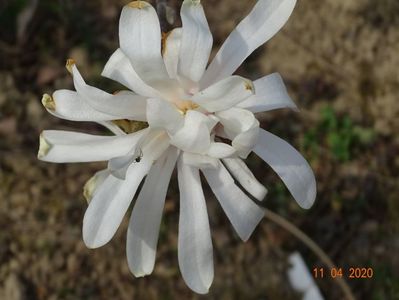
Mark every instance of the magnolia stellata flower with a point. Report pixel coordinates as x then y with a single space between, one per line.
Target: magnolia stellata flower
178 112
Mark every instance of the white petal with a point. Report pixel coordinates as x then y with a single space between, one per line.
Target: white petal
119 166
290 166
69 105
92 185
151 145
194 135
143 230
119 68
298 274
140 40
196 44
224 94
221 150
124 105
242 212
236 120
241 127
199 161
163 114
194 242
171 51
109 205
245 177
271 94
211 121
246 141
264 21
67 146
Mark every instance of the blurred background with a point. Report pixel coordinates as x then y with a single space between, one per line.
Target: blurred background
340 61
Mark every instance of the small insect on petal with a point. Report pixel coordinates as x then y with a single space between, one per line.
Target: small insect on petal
44 147
139 155
48 102
69 64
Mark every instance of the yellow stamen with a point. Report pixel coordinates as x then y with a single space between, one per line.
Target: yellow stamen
48 102
184 106
44 147
69 64
89 188
138 4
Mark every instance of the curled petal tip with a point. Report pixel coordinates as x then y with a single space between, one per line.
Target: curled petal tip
140 274
44 147
138 4
69 64
90 240
89 188
48 102
194 2
203 291
91 244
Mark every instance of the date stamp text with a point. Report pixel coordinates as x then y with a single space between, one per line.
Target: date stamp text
350 273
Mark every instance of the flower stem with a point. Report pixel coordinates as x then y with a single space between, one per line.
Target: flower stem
299 234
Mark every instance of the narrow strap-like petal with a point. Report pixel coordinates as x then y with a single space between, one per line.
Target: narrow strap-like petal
123 105
119 166
68 105
244 176
289 164
241 127
270 94
194 242
221 150
196 44
67 146
264 21
109 205
111 201
143 230
140 40
163 114
199 161
93 184
244 142
242 212
120 69
194 135
151 145
171 51
225 94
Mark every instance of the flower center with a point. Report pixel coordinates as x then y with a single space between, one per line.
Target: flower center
185 105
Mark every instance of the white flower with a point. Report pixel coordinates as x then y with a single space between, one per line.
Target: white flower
190 111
